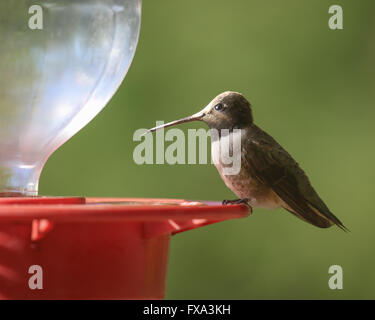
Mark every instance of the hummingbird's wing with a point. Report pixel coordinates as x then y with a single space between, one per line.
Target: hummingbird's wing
275 168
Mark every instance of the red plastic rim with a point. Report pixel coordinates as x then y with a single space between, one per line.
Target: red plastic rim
79 209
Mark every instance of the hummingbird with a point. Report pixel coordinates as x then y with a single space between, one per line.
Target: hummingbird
268 176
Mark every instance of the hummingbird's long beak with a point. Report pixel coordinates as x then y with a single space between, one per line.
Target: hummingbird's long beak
195 117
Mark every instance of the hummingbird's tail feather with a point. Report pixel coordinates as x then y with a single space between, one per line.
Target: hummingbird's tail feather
317 218
328 215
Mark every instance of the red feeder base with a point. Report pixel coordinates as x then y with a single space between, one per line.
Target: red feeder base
94 248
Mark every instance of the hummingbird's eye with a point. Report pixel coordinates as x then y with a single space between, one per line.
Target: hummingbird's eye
219 107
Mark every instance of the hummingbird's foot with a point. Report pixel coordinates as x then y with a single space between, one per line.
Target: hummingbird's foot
238 201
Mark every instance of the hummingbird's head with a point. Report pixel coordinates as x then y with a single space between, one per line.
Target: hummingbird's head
228 110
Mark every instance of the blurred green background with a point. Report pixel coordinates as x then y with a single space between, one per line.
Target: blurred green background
312 88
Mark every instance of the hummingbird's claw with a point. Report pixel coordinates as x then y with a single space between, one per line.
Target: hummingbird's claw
245 201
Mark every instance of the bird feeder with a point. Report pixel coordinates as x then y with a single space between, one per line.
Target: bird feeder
61 62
